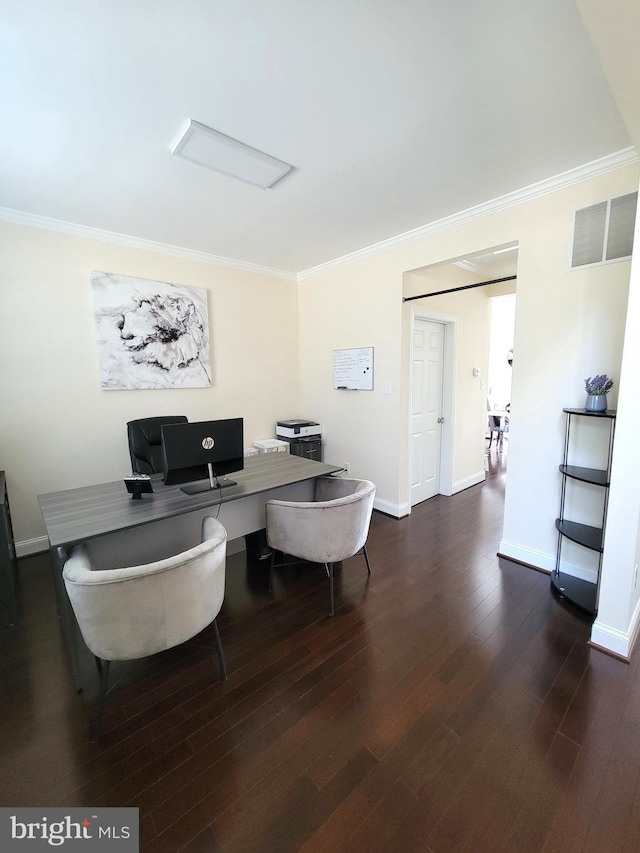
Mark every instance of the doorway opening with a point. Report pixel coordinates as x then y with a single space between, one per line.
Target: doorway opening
499 375
452 301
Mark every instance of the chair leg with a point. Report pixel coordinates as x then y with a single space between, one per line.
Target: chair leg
329 568
272 562
103 670
366 558
223 669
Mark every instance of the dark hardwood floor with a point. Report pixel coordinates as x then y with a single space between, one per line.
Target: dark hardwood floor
451 704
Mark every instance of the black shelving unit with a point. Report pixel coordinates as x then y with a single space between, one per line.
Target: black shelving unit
582 593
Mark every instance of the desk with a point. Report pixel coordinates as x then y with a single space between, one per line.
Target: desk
120 531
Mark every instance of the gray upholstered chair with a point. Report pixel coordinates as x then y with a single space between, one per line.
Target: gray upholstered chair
327 530
131 613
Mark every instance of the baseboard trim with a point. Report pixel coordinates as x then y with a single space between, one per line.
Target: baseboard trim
579 572
523 563
527 556
395 510
542 561
606 651
619 643
468 482
605 638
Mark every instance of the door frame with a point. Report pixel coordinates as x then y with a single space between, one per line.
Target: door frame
448 396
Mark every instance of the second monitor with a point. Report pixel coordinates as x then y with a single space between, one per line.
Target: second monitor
202 451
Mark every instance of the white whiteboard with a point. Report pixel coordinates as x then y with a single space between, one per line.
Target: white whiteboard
353 369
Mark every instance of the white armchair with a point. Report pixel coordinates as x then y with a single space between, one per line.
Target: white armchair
130 613
327 530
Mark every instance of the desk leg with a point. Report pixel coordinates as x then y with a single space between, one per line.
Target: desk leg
67 618
256 545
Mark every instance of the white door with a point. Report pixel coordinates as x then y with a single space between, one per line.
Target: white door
426 409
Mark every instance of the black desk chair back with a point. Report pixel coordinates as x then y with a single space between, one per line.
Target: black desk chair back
145 442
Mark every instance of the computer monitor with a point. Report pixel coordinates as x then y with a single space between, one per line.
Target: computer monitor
202 450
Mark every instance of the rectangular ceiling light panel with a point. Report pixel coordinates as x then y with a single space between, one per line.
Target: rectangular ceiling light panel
200 144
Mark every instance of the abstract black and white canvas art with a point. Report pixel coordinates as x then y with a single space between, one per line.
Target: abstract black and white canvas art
151 334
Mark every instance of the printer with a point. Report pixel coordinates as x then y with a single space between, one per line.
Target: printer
298 429
304 438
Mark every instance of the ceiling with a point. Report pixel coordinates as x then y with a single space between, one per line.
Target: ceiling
492 264
392 114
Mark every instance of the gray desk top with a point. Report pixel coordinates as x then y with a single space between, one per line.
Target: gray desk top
77 514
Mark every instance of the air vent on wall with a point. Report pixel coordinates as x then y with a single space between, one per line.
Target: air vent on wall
604 232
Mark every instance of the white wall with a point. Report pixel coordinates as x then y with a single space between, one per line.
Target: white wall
569 325
58 428
357 306
619 606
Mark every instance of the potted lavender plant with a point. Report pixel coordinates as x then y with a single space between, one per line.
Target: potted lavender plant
597 388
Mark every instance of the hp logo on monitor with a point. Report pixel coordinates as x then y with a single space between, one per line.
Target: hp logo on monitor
208 443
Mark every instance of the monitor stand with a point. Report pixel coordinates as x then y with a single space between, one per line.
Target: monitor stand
205 486
208 485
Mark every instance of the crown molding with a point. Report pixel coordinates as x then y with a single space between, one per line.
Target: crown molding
33 220
610 163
